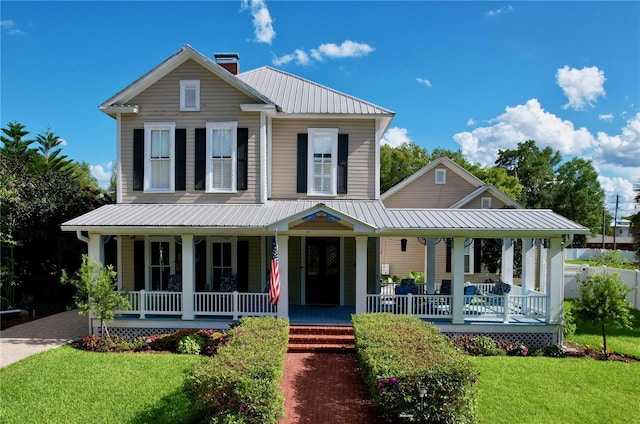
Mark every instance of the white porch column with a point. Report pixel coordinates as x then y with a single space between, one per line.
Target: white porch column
457 289
361 274
507 261
430 261
283 266
555 280
188 276
94 248
528 265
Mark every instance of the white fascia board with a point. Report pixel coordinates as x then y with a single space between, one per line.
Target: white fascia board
288 115
115 109
269 109
479 233
168 230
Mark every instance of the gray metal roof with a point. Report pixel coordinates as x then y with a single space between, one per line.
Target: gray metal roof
298 95
257 217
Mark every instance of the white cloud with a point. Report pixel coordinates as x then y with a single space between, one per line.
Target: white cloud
63 142
348 48
622 150
606 117
518 124
102 173
262 22
299 56
395 136
9 27
623 188
581 86
426 82
500 11
331 51
471 122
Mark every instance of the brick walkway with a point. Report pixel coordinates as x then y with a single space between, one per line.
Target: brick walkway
325 388
42 334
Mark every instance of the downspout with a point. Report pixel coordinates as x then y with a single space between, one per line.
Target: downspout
81 237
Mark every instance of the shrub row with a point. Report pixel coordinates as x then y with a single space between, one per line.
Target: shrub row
191 341
400 356
486 346
241 384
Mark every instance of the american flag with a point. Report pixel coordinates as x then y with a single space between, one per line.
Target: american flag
274 279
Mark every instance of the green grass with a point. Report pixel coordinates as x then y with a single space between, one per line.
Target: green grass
621 340
66 385
548 390
629 265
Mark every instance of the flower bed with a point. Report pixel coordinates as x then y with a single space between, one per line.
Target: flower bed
413 371
191 341
241 384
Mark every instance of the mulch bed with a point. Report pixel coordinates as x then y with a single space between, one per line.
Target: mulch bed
577 351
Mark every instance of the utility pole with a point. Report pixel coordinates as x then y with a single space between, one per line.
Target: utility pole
615 222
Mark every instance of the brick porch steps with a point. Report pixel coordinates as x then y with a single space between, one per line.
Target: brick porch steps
304 339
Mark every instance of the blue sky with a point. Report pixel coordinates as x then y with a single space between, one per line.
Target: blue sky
476 76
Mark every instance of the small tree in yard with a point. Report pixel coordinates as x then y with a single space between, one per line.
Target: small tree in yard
603 301
96 291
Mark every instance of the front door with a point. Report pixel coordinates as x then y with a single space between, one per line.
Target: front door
323 271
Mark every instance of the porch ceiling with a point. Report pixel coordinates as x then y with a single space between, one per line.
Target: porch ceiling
366 216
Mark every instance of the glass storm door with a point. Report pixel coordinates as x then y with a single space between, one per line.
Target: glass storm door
323 271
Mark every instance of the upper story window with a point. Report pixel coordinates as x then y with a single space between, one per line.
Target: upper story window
485 202
441 176
322 161
159 151
221 156
190 95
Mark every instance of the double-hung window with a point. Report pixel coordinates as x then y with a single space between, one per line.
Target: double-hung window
322 161
159 157
161 257
190 95
221 156
221 260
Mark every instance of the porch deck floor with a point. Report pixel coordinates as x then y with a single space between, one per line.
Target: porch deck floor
320 315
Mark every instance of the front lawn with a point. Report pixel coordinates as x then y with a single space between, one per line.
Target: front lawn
621 340
66 385
549 390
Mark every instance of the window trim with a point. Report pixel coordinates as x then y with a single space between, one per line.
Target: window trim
148 127
147 258
469 250
441 176
209 261
210 126
312 133
482 202
184 84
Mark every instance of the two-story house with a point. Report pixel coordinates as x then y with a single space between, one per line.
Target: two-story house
214 164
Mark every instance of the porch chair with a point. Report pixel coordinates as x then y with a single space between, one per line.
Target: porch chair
445 287
499 289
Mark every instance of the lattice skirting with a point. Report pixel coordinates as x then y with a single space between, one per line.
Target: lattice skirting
532 340
131 333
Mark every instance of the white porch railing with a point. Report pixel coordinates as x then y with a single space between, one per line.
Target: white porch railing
231 304
533 305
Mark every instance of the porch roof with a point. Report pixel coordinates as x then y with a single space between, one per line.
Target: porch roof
376 219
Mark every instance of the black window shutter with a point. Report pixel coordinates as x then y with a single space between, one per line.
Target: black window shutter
242 158
138 265
181 159
343 154
200 158
138 159
477 250
449 242
243 266
303 140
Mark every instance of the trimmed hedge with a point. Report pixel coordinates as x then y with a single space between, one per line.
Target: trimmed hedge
400 354
241 384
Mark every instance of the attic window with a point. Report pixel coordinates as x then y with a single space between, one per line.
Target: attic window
485 203
441 176
190 95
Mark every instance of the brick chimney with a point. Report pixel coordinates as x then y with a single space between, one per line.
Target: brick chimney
228 61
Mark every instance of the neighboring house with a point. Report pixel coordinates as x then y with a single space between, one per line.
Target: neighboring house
214 164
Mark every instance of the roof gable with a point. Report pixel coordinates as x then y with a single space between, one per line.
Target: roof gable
486 189
123 97
441 161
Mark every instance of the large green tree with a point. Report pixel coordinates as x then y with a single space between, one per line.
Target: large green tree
578 195
535 169
397 163
34 200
